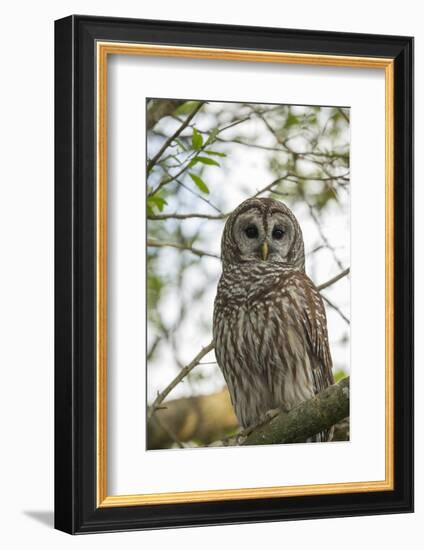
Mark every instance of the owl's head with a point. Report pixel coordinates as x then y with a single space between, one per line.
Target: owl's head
262 229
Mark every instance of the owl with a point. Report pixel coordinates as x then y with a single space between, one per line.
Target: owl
269 323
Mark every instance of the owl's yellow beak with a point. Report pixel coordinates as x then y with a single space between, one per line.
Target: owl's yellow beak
265 250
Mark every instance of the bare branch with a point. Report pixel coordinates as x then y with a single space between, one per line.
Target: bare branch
344 176
153 347
182 374
175 216
337 309
316 249
322 234
343 113
334 279
269 186
196 251
204 199
234 123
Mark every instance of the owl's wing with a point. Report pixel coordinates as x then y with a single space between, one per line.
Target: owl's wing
311 313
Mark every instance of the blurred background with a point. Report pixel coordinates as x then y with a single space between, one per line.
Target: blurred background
205 158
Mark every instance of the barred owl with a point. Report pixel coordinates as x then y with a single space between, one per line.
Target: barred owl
269 326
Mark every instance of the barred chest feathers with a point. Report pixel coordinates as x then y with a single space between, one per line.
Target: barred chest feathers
259 342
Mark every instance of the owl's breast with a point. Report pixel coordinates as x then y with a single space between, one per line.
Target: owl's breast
261 345
245 325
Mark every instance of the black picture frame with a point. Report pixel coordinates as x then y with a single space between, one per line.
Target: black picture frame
76 508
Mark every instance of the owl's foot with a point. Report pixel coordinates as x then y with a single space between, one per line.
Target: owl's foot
270 415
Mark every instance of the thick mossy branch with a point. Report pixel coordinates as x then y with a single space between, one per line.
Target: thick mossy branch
305 420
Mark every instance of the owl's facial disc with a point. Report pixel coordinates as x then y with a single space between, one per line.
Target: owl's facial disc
279 235
263 237
249 234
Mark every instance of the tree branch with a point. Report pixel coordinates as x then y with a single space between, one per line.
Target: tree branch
344 115
334 279
268 187
203 199
182 374
156 158
337 309
196 251
175 216
322 234
307 419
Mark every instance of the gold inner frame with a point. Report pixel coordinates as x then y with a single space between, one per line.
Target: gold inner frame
104 49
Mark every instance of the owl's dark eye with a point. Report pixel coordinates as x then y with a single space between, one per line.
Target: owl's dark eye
278 233
251 232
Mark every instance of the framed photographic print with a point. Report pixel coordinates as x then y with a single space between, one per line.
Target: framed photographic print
234 255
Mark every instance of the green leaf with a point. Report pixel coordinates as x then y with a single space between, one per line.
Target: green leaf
339 375
212 136
203 160
157 201
196 140
199 182
292 120
186 108
217 153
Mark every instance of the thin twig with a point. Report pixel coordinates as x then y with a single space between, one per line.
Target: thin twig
269 186
153 347
182 374
314 178
155 159
319 247
344 115
204 199
235 123
175 216
336 308
322 234
179 246
334 279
